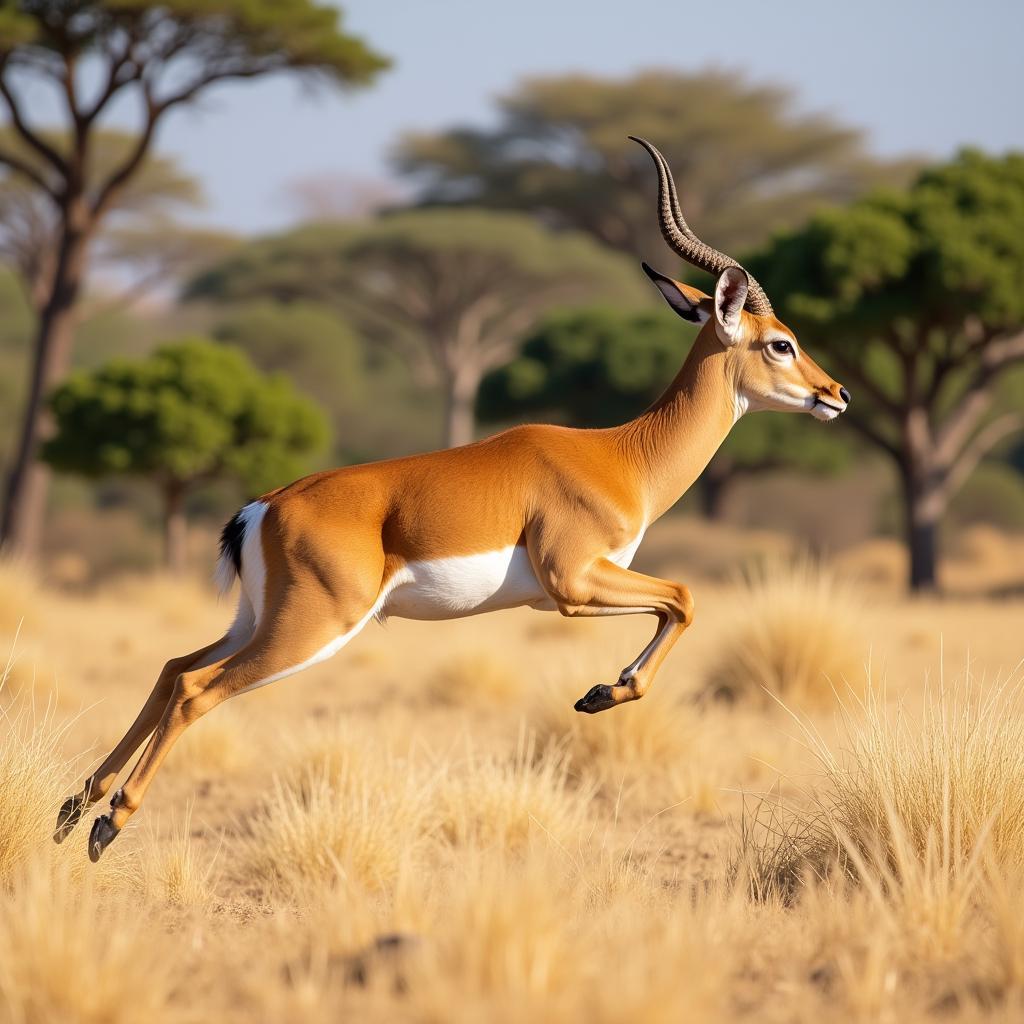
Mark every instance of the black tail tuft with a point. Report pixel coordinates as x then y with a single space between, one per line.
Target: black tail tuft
231 538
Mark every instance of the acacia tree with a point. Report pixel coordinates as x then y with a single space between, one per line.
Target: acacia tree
95 52
194 411
461 286
598 367
917 295
747 161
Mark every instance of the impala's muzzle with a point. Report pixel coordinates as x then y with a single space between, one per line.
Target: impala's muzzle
829 405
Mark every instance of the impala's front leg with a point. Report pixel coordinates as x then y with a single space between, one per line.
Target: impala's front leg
604 588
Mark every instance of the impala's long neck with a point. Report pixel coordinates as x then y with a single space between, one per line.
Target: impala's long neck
670 444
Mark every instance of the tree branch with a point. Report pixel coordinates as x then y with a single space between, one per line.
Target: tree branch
976 449
876 437
120 176
71 92
26 170
996 354
43 148
1001 351
854 371
155 109
114 82
963 419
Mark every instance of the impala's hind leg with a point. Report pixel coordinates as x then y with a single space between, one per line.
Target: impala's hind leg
286 642
99 783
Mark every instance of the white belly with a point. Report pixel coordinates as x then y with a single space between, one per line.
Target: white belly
448 588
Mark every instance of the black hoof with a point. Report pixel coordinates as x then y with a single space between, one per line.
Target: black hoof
101 836
597 698
68 817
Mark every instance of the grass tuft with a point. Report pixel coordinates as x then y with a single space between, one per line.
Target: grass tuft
901 793
355 809
508 801
796 635
175 870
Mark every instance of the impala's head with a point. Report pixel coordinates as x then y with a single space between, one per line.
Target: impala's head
767 365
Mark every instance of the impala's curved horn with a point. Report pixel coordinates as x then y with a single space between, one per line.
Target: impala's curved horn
683 241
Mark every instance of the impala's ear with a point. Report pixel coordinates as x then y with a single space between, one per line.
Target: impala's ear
690 303
730 294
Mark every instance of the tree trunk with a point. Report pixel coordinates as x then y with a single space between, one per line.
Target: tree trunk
460 388
28 480
714 485
921 543
175 528
922 512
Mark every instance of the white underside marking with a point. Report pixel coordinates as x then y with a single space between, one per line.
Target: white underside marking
449 588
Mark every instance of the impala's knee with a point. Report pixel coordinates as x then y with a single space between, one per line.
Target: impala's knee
186 697
683 603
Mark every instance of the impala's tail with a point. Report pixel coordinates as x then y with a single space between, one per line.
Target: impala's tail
241 553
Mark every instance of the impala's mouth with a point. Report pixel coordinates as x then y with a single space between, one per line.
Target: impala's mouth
826 410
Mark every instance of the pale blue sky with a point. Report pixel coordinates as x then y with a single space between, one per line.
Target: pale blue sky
918 76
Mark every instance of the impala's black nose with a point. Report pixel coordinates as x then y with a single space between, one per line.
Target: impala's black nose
844 395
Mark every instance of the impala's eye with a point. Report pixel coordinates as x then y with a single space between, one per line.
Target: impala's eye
782 348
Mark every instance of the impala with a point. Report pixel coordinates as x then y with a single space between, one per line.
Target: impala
543 516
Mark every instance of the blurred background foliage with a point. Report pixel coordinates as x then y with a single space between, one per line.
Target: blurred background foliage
502 285
192 412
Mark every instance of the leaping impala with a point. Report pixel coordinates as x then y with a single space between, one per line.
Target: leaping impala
543 516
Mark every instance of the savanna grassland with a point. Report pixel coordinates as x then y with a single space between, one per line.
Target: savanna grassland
817 812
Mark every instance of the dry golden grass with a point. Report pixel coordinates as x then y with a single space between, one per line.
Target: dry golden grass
583 877
796 634
489 800
218 745
70 953
34 777
531 938
357 811
475 677
642 742
175 870
20 597
901 792
172 600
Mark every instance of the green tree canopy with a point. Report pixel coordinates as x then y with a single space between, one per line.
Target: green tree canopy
193 411
454 290
598 367
747 161
916 296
